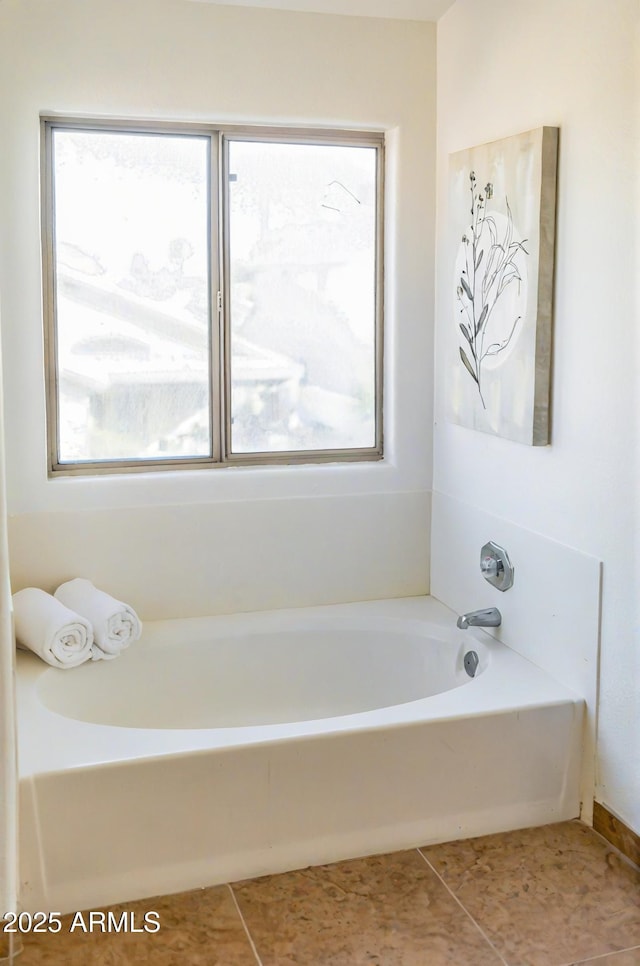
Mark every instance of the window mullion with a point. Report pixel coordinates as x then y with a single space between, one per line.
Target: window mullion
225 314
216 380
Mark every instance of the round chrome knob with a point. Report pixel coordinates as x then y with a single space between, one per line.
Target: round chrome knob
491 567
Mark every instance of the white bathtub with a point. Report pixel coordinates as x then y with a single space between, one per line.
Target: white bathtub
219 748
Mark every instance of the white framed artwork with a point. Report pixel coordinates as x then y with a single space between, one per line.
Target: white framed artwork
502 211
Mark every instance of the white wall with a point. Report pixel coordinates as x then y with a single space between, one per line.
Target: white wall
505 66
173 59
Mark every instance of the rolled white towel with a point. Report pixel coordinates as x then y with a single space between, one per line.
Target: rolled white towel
115 625
51 630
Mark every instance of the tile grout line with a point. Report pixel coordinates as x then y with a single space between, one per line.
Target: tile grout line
244 925
601 956
464 909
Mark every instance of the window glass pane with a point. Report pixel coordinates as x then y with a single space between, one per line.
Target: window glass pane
132 260
302 257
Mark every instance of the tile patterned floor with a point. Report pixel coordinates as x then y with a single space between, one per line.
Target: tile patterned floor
552 896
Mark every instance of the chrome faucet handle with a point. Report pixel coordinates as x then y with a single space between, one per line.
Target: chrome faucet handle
495 566
491 567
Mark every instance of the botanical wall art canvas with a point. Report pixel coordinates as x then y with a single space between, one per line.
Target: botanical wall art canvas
502 207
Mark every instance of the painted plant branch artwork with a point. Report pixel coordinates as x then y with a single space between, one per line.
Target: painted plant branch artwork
502 235
484 280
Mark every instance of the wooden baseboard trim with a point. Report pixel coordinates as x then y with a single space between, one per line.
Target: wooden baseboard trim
615 831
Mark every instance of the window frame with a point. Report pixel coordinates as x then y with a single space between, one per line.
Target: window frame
220 136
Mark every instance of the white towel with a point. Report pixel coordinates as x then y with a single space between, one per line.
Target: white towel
55 633
115 625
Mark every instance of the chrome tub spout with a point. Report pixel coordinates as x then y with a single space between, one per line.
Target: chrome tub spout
490 617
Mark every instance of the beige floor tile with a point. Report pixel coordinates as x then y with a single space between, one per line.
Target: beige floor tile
200 928
388 910
630 957
545 896
4 946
